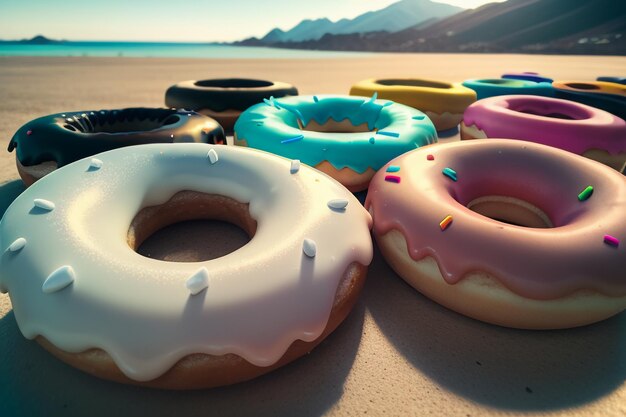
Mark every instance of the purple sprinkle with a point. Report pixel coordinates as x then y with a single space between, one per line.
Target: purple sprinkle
392 178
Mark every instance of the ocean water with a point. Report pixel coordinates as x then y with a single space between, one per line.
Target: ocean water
162 50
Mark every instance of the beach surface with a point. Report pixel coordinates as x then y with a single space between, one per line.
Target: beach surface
397 354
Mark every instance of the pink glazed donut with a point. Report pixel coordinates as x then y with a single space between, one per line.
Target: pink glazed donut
509 232
563 124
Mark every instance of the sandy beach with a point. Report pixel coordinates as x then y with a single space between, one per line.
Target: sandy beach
398 353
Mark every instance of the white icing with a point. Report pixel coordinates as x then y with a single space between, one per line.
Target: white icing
59 279
260 299
198 281
338 203
309 248
95 163
17 245
295 166
44 204
212 155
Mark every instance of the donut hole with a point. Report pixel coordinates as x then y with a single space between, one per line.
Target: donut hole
234 83
333 126
122 121
552 109
414 83
510 210
583 86
502 81
191 227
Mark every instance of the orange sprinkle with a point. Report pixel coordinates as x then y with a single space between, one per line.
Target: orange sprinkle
445 222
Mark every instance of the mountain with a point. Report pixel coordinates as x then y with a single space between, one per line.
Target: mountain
527 26
36 40
398 16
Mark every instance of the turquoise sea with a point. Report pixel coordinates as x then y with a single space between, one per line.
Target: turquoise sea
161 50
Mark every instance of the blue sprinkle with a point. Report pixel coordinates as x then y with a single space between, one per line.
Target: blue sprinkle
268 102
450 173
297 138
315 99
393 168
389 103
392 134
374 97
372 140
420 117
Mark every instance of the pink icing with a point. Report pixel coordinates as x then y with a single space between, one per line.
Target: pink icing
580 129
534 263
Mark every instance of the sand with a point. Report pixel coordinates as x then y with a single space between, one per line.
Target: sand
398 353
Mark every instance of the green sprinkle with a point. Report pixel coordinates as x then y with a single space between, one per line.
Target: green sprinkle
450 173
586 193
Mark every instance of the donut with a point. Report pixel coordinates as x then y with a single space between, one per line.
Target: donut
50 142
618 80
347 137
225 99
78 286
443 103
512 233
563 124
490 87
607 96
527 76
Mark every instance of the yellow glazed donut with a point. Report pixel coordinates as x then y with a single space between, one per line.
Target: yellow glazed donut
78 286
444 103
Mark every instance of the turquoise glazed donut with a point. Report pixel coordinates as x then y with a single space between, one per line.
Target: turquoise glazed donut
490 87
347 137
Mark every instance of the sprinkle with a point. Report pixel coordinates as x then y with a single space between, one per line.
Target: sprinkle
393 168
268 102
59 279
392 178
17 245
450 173
171 136
315 99
295 166
374 97
611 240
309 248
212 155
69 120
419 117
392 134
63 115
586 193
44 204
95 163
387 104
198 281
29 132
338 204
295 139
430 157
372 140
445 223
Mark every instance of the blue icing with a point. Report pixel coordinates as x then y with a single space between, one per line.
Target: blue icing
406 129
504 86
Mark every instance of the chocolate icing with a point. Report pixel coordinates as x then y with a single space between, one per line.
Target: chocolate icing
225 94
68 137
535 263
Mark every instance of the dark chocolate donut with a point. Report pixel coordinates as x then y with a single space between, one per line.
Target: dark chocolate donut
67 137
224 99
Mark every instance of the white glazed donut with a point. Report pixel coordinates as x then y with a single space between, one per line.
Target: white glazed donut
75 281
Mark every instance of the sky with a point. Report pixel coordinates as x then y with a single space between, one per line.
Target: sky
167 20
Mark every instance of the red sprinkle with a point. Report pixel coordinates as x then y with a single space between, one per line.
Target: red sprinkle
430 157
611 240
29 132
392 178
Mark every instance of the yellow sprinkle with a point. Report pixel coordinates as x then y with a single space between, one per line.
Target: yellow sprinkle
445 222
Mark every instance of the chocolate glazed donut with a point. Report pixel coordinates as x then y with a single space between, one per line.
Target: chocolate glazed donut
225 99
53 141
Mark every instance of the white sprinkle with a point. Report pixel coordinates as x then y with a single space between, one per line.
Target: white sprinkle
44 204
95 163
213 156
59 279
309 248
198 281
338 203
295 166
17 245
